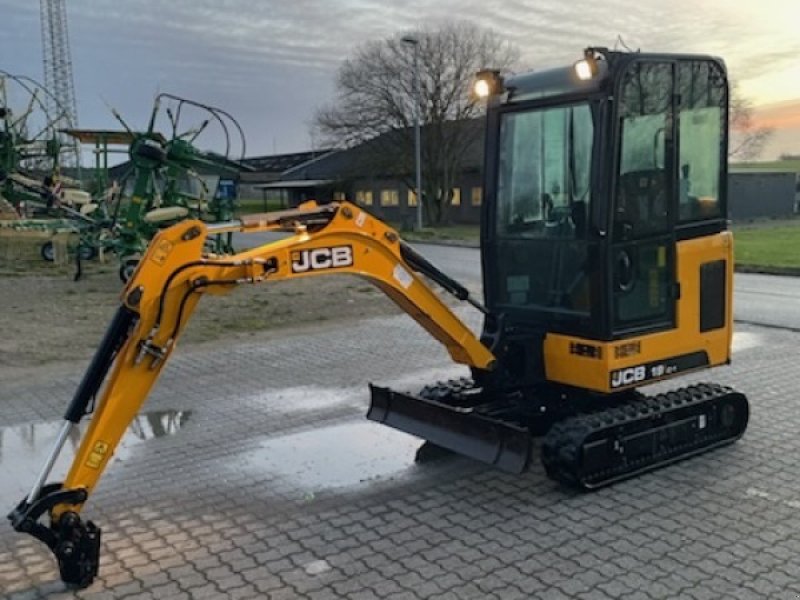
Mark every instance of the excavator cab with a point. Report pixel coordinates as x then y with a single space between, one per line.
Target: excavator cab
597 178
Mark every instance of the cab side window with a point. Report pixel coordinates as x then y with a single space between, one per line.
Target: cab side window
702 97
643 192
642 257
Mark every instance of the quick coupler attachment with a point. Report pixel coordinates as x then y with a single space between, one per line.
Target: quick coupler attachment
74 543
464 430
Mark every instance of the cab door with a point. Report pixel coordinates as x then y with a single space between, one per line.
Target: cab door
642 270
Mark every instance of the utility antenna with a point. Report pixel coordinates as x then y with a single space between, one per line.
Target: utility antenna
58 65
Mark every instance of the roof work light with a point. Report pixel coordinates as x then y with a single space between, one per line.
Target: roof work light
487 83
587 68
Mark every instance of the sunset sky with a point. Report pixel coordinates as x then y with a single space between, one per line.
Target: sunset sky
272 63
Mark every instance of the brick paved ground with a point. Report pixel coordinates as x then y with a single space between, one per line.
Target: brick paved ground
242 502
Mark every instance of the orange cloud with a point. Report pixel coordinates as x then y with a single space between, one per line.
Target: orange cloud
781 115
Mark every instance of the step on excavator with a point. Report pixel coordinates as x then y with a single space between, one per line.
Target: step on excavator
607 265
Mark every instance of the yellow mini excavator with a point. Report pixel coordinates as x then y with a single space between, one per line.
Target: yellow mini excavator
607 265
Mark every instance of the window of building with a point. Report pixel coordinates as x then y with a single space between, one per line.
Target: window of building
477 196
364 197
456 198
338 196
412 198
390 198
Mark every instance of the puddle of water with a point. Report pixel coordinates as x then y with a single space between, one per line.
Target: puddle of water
337 456
24 448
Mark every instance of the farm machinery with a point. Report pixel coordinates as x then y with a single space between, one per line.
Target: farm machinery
35 192
165 180
30 149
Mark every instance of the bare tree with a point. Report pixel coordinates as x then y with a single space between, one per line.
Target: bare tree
375 104
747 140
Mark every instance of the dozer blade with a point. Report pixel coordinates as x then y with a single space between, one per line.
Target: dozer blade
463 430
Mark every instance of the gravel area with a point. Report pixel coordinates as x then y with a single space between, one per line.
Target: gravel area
47 317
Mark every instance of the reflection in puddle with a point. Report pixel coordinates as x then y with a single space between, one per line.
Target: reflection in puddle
336 456
158 423
24 448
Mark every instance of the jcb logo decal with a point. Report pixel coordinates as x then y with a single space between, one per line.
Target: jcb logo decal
322 258
628 376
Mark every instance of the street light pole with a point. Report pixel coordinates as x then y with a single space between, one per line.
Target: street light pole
417 145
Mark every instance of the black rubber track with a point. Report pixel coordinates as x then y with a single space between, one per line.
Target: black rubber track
642 435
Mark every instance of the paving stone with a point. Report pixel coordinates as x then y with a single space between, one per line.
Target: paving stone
205 514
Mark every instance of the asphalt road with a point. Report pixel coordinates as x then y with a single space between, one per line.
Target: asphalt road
767 300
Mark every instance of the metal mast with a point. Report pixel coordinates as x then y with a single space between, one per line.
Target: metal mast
58 64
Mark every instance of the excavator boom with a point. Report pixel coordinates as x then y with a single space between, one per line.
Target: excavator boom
155 306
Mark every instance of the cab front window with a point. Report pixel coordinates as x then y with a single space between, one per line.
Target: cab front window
544 172
543 197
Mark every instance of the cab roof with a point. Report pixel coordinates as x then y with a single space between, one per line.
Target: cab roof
563 80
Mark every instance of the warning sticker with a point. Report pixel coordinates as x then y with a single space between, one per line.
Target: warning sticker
97 455
403 277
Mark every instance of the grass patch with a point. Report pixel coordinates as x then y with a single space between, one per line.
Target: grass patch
773 246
